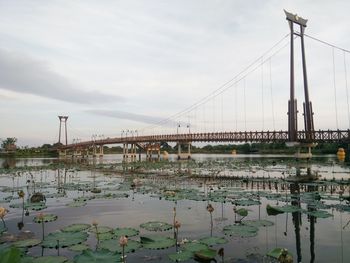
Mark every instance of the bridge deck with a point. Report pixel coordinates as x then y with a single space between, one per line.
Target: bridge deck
326 136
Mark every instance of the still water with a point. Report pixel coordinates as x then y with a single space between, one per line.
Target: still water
153 190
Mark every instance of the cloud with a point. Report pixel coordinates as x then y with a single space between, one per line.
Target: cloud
133 117
24 74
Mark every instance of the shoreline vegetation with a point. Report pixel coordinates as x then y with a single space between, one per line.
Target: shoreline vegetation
48 150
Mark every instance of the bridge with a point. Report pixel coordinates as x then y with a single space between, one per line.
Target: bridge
293 136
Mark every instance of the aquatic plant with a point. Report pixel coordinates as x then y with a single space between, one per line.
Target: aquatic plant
3 212
95 224
210 209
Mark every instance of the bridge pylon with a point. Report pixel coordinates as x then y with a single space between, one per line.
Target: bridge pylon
294 19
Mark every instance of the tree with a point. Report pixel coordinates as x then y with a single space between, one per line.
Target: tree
9 144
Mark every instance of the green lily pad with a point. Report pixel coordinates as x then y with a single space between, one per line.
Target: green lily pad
181 256
277 252
240 230
101 229
105 236
242 211
46 218
273 210
157 242
258 223
206 254
27 243
194 246
319 214
246 202
127 231
113 246
50 259
156 226
211 241
76 228
10 255
78 247
103 255
65 239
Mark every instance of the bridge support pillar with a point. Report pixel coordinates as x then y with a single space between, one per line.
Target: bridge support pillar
62 154
101 151
179 154
178 150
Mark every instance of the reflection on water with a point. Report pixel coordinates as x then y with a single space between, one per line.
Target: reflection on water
155 190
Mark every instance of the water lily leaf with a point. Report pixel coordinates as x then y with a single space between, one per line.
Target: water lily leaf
277 252
211 241
194 246
101 229
103 255
157 242
27 243
289 208
258 223
181 256
78 247
36 206
246 202
46 218
105 236
65 239
206 254
156 226
76 228
240 230
242 211
50 259
273 210
127 231
113 246
319 214
10 255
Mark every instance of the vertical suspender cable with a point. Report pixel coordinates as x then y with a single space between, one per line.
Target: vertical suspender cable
222 111
346 86
214 114
272 102
236 108
335 91
244 106
262 93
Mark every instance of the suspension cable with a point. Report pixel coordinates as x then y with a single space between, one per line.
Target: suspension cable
346 86
222 87
244 101
272 102
335 91
327 43
262 93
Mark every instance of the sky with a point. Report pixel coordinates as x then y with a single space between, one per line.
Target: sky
118 65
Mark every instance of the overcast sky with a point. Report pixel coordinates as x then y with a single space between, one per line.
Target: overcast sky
117 65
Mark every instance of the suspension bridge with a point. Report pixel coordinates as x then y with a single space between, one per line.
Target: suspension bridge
198 130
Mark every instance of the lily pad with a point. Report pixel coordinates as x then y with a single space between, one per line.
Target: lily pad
65 239
319 214
27 243
105 236
258 223
78 247
101 229
46 218
50 259
206 254
242 211
277 252
76 228
246 202
194 246
273 210
10 255
103 255
240 230
181 256
156 226
127 231
211 241
113 246
157 242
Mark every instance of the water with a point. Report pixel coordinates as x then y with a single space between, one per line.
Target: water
270 179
